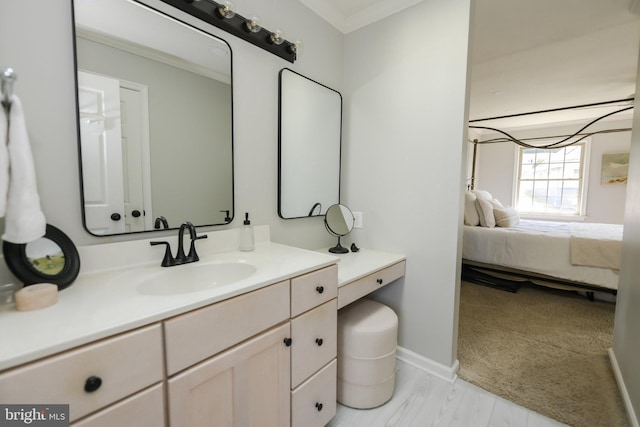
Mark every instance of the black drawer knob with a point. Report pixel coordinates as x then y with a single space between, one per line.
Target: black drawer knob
379 281
288 341
319 406
319 341
92 384
320 289
116 216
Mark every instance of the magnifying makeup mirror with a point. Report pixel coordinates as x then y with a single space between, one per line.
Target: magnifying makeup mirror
52 258
339 221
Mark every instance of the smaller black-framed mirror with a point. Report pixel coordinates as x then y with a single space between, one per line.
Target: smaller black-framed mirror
52 258
309 146
339 221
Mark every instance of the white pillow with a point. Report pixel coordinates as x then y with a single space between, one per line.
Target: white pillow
482 195
506 217
470 212
485 211
496 203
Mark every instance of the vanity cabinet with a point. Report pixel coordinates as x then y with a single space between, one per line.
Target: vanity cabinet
314 347
250 361
264 358
93 376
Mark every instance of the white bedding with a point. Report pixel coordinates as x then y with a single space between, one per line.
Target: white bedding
596 245
536 246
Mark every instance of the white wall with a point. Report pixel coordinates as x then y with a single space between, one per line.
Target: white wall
39 46
496 167
405 84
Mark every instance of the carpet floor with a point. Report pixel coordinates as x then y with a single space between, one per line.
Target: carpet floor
543 349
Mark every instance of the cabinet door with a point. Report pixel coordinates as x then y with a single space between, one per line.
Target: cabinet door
246 386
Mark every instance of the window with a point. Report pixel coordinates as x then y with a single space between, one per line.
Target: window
550 181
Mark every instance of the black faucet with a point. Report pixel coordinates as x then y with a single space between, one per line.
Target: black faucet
161 221
181 258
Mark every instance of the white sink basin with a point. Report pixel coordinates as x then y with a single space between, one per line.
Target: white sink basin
194 277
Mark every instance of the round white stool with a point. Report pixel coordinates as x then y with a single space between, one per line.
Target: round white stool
367 341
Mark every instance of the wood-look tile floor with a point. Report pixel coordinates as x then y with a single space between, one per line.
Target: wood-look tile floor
424 400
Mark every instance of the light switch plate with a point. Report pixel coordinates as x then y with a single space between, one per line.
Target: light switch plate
357 217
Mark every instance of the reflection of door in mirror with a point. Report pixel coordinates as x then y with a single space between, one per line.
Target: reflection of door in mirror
173 110
116 175
99 105
134 111
309 146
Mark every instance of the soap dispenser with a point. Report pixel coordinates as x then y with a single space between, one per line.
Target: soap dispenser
246 234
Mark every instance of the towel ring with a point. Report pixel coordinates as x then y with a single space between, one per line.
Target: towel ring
51 259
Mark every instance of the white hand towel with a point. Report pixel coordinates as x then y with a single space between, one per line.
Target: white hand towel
4 162
24 220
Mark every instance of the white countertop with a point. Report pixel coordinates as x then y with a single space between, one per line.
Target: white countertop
105 302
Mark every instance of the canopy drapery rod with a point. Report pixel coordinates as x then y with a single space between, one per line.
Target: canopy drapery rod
559 144
498 140
551 110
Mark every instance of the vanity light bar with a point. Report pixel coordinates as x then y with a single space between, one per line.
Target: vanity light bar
209 11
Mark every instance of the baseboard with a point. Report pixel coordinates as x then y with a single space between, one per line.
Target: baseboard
448 373
623 389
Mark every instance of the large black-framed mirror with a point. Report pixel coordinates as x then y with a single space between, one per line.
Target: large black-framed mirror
155 119
309 146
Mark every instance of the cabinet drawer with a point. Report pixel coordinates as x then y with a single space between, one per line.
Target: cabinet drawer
144 409
314 336
361 287
313 404
195 336
313 289
125 364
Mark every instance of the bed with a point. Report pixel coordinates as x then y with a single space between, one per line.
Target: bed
500 248
565 255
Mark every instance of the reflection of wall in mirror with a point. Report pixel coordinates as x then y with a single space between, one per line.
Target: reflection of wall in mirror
191 159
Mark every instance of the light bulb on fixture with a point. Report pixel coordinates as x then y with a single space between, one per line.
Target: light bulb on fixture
253 24
227 10
277 37
296 47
